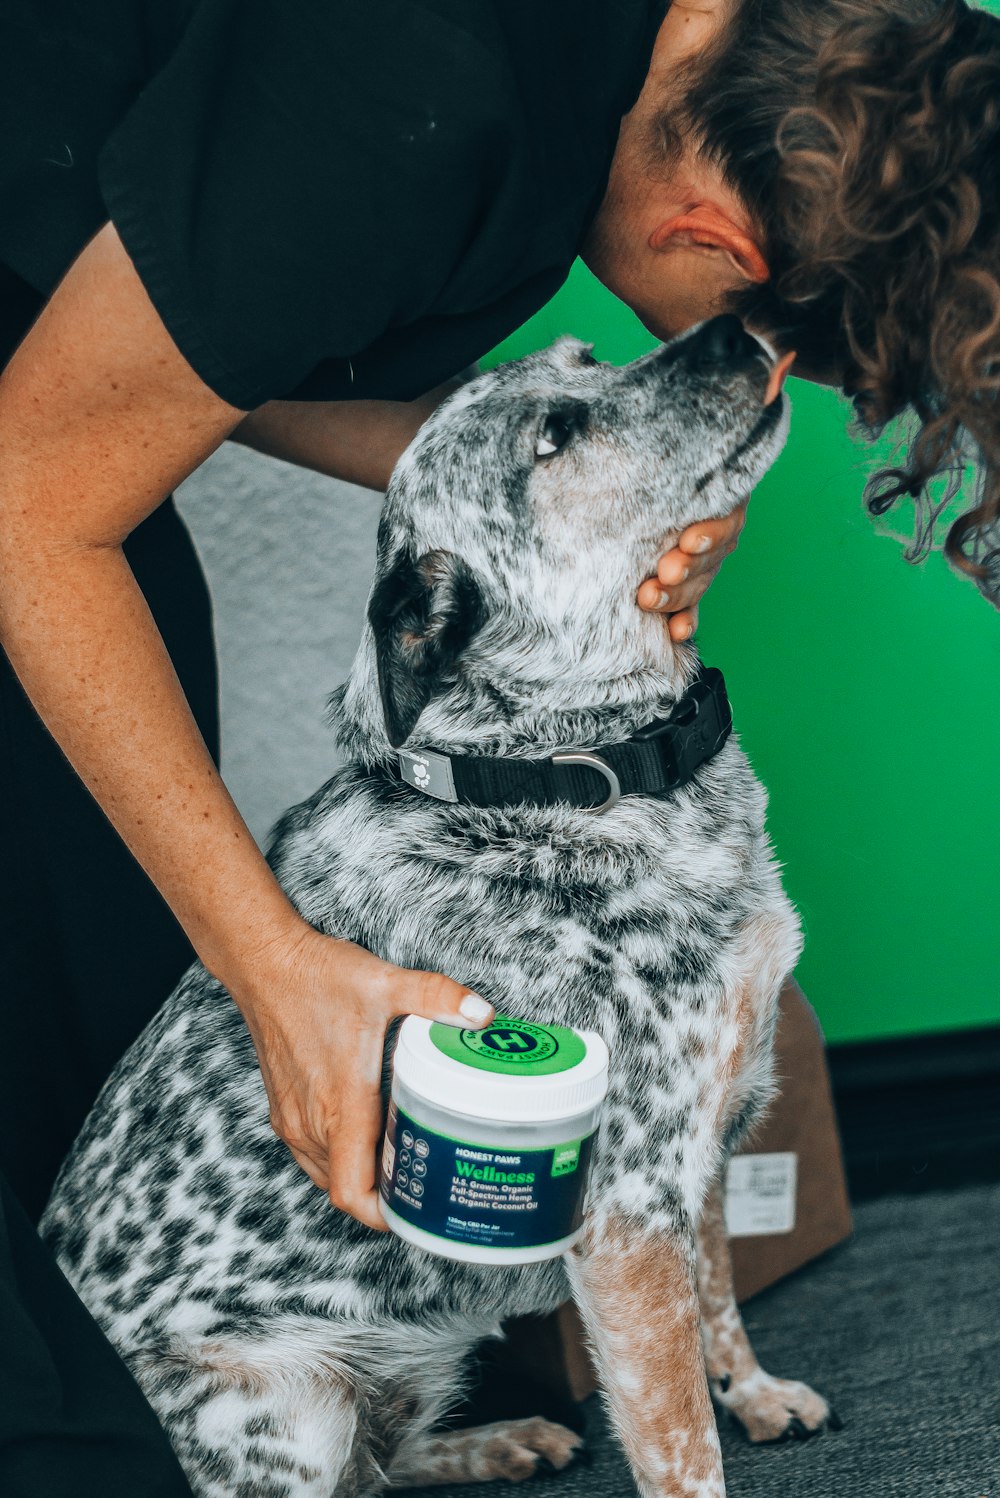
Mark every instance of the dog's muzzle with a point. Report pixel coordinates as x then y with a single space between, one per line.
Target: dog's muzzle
657 760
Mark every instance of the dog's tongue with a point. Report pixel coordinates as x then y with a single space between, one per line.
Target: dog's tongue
777 379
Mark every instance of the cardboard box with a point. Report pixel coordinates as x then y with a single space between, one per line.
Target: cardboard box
786 1200
802 1122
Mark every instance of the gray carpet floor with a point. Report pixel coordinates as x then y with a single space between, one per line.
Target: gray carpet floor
900 1328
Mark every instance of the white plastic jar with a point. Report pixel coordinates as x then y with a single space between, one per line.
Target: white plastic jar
489 1138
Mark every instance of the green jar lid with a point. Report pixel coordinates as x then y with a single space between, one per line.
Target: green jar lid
513 1046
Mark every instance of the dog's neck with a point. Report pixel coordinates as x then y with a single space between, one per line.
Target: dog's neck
525 703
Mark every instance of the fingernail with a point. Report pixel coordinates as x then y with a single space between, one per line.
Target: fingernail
661 599
475 1009
703 543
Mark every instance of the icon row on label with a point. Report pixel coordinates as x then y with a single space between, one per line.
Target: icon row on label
420 1146
416 1187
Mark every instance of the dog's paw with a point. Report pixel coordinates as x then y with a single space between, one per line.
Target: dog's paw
776 1409
518 1449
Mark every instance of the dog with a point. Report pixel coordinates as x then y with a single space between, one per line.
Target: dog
291 1352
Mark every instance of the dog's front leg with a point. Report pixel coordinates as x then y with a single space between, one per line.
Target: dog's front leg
637 1294
769 1409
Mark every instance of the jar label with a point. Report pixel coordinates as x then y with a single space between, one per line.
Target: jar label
483 1194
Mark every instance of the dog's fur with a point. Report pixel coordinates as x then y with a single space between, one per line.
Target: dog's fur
289 1350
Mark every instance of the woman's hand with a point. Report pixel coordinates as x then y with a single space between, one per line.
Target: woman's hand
318 1010
683 574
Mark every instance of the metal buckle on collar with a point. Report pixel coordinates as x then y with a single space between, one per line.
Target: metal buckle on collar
428 772
595 762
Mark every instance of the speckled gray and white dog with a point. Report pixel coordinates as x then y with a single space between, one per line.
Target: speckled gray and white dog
289 1350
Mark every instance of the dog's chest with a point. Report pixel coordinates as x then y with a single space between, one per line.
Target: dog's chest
559 918
633 927
627 926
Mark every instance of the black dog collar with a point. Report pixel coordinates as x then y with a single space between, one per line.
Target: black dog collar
657 759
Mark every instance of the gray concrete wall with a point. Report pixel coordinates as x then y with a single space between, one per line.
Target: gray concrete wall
289 557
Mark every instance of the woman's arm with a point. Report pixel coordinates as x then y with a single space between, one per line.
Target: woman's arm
358 441
100 417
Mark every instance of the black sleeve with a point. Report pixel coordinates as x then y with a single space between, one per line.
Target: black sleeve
300 175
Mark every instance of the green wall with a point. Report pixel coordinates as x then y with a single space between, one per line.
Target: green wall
865 692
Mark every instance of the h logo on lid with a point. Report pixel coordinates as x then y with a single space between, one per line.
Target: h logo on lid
508 1040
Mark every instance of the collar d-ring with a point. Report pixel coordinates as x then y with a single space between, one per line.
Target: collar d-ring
595 762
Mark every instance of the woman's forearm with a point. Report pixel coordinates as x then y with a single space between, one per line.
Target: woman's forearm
86 648
359 441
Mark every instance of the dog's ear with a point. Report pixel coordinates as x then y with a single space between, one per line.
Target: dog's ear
423 613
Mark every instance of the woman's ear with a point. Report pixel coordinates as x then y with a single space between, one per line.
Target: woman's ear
709 228
423 612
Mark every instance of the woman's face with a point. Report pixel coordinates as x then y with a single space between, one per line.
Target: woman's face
672 239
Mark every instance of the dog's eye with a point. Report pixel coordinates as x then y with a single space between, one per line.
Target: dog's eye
554 434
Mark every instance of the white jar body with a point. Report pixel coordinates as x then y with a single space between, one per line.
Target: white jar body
484 1190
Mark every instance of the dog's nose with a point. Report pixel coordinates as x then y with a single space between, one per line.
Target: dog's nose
722 341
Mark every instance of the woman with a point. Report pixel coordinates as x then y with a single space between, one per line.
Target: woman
284 225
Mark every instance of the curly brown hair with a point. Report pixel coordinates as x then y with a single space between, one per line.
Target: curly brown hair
864 138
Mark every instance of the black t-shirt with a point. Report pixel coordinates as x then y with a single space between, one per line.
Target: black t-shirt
323 199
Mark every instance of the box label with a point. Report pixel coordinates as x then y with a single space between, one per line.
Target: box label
760 1194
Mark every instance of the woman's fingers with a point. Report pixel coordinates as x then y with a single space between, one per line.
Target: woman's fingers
436 997
706 537
650 594
684 573
352 1144
681 626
